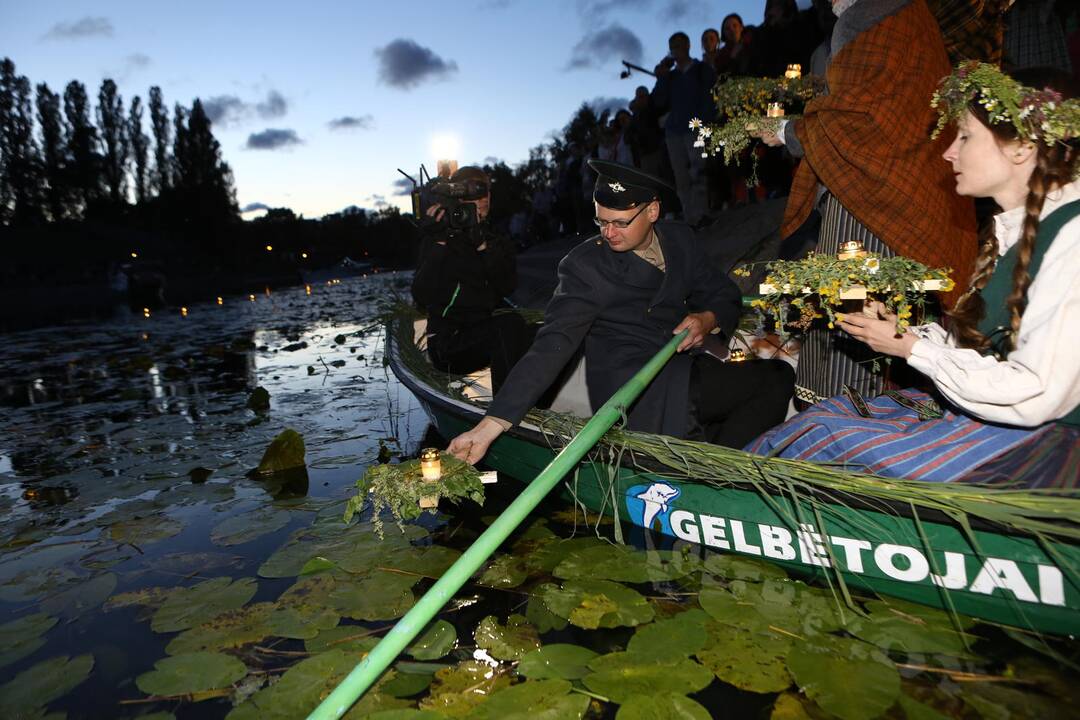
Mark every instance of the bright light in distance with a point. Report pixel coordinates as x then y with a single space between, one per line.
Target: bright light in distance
269 248
446 146
134 255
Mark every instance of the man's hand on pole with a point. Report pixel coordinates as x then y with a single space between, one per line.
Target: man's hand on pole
699 325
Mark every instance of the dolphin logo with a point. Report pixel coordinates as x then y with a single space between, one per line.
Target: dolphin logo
655 500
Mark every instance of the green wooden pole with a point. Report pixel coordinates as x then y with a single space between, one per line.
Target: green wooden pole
371 667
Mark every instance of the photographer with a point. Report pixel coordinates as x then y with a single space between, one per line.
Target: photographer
465 270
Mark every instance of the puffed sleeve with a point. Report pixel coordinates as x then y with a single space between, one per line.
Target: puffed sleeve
1040 380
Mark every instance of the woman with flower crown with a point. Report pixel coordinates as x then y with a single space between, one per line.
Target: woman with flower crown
1007 370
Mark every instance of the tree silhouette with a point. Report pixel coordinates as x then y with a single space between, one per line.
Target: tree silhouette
161 180
83 158
114 140
53 151
140 144
20 171
203 192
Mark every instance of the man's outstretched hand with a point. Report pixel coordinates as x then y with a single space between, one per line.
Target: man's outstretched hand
699 324
472 445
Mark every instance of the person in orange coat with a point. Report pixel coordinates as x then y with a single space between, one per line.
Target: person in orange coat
871 169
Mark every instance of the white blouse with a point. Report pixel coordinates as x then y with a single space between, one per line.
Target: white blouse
1039 381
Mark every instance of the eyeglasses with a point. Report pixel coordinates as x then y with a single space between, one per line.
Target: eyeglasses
620 224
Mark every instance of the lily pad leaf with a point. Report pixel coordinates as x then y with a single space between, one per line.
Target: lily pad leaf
505 571
789 605
734 567
19 638
545 699
623 563
304 685
621 675
353 639
543 619
435 642
459 689
81 598
188 607
661 706
895 630
402 684
558 660
42 683
145 530
844 676
793 706
679 636
594 604
749 660
191 673
317 564
285 452
507 642
915 710
230 629
245 527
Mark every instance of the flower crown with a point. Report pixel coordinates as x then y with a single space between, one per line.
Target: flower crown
1037 115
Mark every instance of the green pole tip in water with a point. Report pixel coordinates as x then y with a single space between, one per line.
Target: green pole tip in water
371 667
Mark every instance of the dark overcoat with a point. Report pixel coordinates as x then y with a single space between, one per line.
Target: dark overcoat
624 310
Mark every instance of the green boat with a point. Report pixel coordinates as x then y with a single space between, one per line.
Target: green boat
1004 555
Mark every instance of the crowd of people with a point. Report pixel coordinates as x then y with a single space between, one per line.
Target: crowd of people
991 389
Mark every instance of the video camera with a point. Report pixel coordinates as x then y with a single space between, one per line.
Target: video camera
453 194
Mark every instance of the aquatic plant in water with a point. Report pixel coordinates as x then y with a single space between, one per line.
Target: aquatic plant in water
400 488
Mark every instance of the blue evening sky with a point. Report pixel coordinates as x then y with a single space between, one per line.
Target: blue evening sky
497 76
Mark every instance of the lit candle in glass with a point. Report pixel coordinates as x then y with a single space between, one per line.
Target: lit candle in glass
794 72
775 110
430 464
307 289
220 301
183 311
737 355
850 250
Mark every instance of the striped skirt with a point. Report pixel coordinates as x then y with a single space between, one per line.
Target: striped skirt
894 442
830 359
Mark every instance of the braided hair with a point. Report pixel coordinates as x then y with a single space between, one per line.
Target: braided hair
1055 166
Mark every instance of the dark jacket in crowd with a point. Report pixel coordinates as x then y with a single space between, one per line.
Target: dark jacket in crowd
685 94
624 310
457 285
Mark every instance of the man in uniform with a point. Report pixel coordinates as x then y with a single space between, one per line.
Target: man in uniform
624 293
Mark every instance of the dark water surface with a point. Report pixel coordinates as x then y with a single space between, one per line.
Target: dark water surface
125 451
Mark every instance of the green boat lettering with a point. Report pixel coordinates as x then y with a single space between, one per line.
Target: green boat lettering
897 562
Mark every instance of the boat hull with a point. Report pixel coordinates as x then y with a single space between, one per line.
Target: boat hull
869 546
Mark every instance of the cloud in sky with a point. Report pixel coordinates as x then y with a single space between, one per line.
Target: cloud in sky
402 186
607 45
596 10
352 122
404 64
226 110
88 26
254 206
137 60
273 139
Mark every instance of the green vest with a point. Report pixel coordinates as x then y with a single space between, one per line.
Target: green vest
995 324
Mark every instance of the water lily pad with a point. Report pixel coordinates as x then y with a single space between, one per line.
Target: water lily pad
561 661
152 597
403 684
543 619
915 710
623 563
789 605
505 571
42 683
355 549
303 686
661 706
405 714
145 530
191 673
245 527
506 642
285 452
895 630
844 676
188 607
81 597
230 629
735 567
353 639
594 604
21 637
459 689
750 660
546 699
621 675
435 642
318 564
793 706
542 553
380 596
679 636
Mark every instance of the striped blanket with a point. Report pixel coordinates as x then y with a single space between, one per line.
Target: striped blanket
893 441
